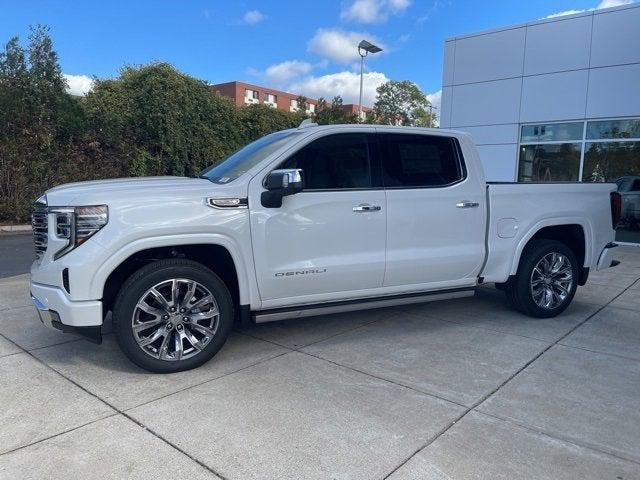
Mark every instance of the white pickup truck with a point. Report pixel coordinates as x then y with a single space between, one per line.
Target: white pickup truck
302 222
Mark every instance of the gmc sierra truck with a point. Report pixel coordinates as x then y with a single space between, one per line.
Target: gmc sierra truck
303 222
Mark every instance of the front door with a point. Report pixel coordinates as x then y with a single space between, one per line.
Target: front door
435 213
328 241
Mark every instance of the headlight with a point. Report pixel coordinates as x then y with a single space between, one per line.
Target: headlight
77 224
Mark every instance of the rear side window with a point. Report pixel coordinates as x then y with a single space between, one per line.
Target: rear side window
419 161
339 161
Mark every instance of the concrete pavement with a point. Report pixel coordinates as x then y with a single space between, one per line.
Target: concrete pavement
452 390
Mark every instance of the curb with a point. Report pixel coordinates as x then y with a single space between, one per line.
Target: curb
15 228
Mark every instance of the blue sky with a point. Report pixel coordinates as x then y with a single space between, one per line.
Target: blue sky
301 46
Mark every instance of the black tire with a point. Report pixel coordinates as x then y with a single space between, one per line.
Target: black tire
144 279
518 289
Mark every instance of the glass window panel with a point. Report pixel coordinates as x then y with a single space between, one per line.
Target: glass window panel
419 161
558 162
552 132
618 162
339 161
628 128
610 161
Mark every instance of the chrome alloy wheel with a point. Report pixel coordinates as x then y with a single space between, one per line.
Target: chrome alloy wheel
175 319
551 280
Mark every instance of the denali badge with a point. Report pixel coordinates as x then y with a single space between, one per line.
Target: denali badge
301 272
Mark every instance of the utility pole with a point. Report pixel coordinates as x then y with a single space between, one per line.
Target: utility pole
431 117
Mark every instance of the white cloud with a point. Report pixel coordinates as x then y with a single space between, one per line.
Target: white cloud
435 99
399 5
613 3
78 84
346 84
565 12
253 16
602 4
372 11
286 71
338 45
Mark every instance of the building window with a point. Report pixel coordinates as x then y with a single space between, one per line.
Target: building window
613 129
311 108
551 162
608 162
251 96
294 106
550 152
591 151
552 132
270 99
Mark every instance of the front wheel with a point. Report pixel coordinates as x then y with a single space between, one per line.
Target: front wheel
546 281
172 315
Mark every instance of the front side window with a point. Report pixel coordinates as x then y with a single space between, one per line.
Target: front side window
419 161
339 161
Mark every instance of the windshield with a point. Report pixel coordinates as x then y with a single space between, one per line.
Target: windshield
248 157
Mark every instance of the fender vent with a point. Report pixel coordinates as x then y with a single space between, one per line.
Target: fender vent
65 280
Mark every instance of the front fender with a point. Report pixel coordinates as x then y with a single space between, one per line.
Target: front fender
246 282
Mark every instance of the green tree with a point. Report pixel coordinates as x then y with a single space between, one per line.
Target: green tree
37 121
165 122
402 103
333 113
302 104
259 120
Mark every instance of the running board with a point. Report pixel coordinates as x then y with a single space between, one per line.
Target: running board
361 304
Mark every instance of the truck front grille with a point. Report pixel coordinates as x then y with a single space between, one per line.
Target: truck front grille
40 226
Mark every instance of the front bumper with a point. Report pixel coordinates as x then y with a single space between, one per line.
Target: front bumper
83 318
54 306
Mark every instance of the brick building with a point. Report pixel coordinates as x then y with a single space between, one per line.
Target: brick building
248 94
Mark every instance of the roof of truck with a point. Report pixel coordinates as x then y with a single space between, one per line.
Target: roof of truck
313 127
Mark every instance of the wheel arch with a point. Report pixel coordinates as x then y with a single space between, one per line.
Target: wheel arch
575 233
220 256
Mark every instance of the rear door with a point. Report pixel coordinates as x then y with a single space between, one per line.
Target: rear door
435 212
327 241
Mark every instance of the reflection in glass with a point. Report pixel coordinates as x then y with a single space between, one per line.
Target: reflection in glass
627 128
549 162
618 162
552 132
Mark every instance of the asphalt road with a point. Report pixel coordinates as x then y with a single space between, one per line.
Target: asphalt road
16 254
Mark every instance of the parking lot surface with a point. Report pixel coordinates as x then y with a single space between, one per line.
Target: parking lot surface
459 389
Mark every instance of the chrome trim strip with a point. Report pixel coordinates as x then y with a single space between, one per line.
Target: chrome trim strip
242 202
365 304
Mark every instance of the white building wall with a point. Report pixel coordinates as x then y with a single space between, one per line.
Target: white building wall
578 67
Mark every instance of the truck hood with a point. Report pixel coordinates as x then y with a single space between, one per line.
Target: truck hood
106 192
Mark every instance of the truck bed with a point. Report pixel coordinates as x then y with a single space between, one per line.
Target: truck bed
516 210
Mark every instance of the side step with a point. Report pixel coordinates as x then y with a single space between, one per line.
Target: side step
301 311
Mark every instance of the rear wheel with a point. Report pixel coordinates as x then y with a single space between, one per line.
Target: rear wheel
172 315
546 281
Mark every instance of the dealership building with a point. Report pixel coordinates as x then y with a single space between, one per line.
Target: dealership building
553 100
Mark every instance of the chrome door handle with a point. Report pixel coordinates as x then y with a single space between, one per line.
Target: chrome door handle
365 207
467 204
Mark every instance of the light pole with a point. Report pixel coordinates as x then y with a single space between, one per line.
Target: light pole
367 48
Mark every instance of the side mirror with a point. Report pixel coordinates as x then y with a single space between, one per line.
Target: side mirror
279 184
